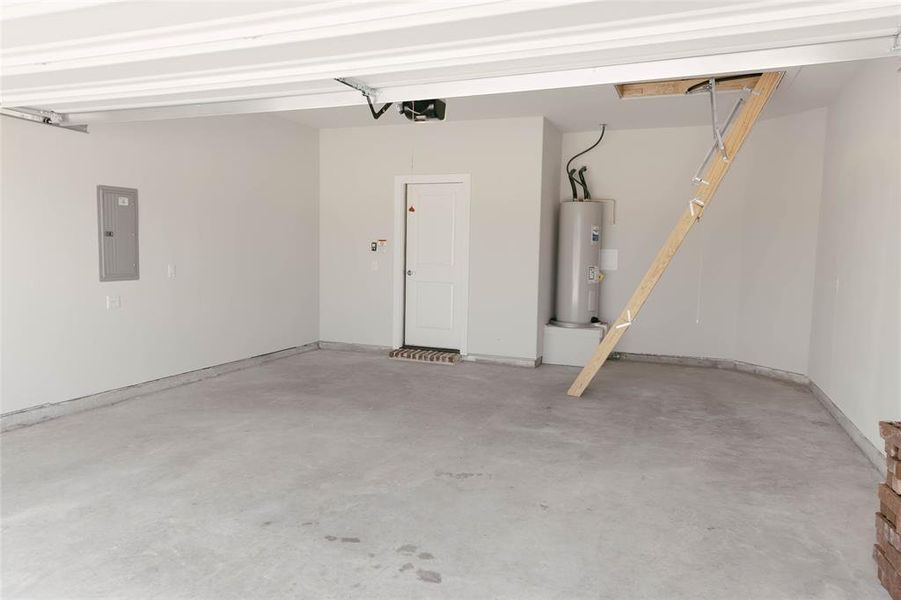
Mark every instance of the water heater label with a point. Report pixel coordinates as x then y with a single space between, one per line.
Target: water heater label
595 234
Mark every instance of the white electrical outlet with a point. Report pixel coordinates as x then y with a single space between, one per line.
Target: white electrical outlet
170 271
374 265
113 302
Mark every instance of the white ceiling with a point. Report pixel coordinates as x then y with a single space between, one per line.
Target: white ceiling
107 60
583 108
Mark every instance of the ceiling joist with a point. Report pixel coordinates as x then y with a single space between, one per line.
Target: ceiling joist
695 67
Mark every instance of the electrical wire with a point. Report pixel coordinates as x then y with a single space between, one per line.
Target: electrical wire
572 180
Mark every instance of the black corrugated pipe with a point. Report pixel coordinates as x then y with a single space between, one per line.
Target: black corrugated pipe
570 171
572 183
584 185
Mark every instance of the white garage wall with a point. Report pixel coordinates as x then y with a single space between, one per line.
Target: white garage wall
856 332
740 286
231 202
357 170
778 229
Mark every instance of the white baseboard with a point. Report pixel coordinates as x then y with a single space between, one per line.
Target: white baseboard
718 363
351 347
44 412
510 361
778 374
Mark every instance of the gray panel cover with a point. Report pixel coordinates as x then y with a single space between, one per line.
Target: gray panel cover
117 214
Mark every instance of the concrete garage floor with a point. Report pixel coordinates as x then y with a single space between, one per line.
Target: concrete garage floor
346 475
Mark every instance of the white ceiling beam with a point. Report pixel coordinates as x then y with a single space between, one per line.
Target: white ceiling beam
21 9
721 21
257 30
560 43
730 62
733 62
695 66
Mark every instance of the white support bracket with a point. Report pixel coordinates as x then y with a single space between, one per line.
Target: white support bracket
691 207
43 117
364 89
369 93
718 133
626 322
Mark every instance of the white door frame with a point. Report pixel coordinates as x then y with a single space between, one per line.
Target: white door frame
400 248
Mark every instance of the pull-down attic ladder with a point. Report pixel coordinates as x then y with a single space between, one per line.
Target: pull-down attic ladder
706 184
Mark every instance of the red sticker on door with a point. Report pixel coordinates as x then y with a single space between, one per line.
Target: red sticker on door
411 209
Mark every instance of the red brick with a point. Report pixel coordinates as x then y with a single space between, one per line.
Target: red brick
891 433
886 531
888 576
889 503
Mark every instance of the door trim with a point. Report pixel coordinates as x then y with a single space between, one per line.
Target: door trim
400 249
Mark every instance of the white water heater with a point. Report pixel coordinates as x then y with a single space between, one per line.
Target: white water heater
578 263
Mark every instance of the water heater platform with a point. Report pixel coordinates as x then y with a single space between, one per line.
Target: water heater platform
571 346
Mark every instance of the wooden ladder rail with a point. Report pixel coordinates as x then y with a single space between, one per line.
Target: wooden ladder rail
705 191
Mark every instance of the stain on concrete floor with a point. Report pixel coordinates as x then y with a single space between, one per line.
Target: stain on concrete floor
428 576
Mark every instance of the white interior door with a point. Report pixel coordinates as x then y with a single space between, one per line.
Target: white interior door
435 293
